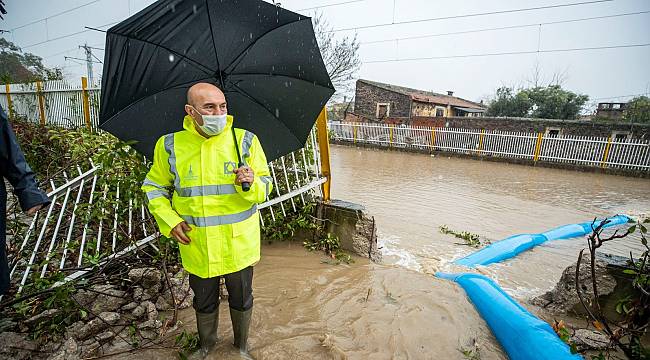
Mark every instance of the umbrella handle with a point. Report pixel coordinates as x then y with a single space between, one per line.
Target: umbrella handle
245 186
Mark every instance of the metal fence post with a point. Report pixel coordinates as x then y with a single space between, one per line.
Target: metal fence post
606 152
86 102
538 147
433 138
480 142
324 147
41 101
10 105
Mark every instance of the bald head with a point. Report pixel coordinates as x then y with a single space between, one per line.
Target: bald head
201 90
206 99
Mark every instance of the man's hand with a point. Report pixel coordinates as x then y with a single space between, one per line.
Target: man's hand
34 209
244 174
178 232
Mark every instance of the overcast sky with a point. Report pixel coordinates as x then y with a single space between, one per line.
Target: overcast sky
605 73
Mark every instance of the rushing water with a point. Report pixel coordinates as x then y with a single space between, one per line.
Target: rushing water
308 309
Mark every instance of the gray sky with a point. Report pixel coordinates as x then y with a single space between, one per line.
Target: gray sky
598 73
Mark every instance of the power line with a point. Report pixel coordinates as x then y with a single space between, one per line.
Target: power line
55 15
508 53
504 27
330 5
472 15
621 96
65 36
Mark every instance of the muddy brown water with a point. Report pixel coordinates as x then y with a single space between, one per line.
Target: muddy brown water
308 309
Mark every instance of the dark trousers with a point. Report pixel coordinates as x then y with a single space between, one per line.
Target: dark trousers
240 291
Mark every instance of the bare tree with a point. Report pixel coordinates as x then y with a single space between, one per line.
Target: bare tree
341 55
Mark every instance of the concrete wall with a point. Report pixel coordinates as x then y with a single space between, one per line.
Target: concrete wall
567 127
367 97
352 225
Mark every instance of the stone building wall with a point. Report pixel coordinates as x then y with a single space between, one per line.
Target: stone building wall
367 97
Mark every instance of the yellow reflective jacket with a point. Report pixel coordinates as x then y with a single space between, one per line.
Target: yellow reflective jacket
192 180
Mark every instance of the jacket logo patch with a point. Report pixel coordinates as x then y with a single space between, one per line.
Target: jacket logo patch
190 175
229 167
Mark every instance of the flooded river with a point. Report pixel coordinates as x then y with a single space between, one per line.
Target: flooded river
308 309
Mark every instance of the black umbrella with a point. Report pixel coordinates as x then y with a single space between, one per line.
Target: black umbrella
264 58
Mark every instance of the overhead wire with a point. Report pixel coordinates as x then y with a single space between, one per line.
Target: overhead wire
510 11
504 27
507 53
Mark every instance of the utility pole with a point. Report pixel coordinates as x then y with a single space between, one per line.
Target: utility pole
89 61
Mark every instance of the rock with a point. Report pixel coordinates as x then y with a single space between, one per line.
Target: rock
110 317
44 316
149 334
140 295
183 294
90 348
75 330
162 304
139 311
146 277
153 291
105 336
150 324
16 346
564 296
152 313
130 306
102 298
585 339
94 326
69 351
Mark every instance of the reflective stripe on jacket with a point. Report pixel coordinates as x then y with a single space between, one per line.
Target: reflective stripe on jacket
192 180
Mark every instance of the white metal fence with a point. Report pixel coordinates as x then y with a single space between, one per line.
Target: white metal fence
58 239
579 150
62 102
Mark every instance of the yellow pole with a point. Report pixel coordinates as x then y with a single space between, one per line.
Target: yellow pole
433 138
538 147
354 133
390 137
480 142
86 102
10 104
324 147
606 154
41 101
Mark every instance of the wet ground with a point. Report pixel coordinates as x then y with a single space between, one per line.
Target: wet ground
308 309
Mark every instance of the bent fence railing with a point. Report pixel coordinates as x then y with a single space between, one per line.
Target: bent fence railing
633 154
59 239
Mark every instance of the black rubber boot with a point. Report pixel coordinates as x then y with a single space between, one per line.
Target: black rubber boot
207 324
241 321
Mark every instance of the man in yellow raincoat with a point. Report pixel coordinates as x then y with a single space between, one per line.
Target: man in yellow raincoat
195 193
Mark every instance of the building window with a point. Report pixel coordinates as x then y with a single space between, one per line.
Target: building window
383 110
553 132
620 136
440 111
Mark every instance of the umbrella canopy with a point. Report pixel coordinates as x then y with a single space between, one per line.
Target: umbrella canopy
264 58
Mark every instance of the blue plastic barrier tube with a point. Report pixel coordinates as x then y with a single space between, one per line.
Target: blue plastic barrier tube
514 245
522 335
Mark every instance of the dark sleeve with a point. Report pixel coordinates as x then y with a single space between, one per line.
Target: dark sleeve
14 167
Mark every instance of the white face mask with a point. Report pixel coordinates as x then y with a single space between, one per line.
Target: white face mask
213 124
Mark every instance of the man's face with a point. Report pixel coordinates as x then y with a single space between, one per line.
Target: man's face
208 101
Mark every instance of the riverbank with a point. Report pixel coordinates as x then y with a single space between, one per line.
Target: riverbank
306 308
